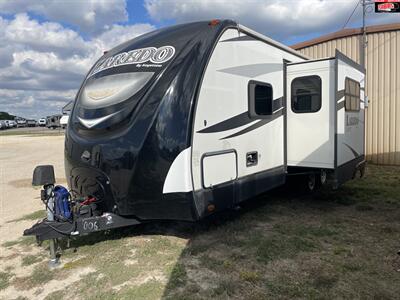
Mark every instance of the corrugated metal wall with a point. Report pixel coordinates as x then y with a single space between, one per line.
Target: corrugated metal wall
383 89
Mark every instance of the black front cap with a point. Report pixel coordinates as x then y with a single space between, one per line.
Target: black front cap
134 151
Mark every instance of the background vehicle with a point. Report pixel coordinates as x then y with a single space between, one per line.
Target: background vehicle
3 125
30 123
21 122
42 122
53 121
12 123
64 121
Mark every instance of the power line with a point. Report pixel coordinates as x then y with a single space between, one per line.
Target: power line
358 2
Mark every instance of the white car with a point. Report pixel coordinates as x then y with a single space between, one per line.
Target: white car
64 121
21 123
42 122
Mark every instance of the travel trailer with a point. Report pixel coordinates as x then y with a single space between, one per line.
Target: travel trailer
53 122
192 119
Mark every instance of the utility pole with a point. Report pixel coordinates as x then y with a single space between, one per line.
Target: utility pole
363 40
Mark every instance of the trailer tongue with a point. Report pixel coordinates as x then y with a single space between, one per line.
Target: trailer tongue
68 216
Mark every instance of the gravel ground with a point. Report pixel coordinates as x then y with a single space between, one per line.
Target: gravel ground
18 157
31 130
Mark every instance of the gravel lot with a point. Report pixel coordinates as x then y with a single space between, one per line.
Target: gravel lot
19 155
30 130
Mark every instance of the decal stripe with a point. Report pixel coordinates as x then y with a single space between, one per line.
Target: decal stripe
256 125
339 95
253 70
238 120
240 38
355 153
231 123
340 105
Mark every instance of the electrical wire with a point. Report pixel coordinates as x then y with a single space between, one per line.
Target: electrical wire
345 24
68 232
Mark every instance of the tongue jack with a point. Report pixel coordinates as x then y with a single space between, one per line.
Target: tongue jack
54 262
44 175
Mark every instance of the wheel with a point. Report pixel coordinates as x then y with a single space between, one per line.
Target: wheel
311 182
323 177
362 171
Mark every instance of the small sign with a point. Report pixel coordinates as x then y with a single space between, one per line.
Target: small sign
387 6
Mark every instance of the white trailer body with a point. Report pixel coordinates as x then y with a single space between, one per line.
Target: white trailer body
246 152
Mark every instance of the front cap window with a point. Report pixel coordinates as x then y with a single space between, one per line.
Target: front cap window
112 89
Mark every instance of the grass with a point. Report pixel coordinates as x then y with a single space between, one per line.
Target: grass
40 214
4 280
333 244
30 260
178 276
43 132
40 276
23 241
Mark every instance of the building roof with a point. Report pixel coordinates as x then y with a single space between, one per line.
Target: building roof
346 33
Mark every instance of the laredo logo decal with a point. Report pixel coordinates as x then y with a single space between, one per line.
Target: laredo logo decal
136 56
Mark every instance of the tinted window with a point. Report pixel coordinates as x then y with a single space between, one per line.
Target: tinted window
260 98
352 95
306 94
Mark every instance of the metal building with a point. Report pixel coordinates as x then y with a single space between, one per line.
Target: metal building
382 86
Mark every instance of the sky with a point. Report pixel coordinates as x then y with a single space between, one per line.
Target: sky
48 46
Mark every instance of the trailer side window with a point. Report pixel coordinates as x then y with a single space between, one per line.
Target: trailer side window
306 94
352 95
260 99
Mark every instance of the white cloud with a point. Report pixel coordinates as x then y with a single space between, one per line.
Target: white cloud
48 36
34 104
87 15
43 64
118 34
279 19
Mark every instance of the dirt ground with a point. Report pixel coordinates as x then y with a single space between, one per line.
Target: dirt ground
331 245
18 157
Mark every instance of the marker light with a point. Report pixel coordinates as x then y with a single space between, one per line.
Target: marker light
214 22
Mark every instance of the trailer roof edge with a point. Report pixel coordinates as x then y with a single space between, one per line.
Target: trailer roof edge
272 42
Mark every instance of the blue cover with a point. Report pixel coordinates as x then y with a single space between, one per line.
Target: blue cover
62 207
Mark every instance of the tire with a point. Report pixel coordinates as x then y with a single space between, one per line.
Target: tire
322 178
311 182
303 184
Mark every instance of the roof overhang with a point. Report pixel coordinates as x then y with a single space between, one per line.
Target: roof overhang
346 33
